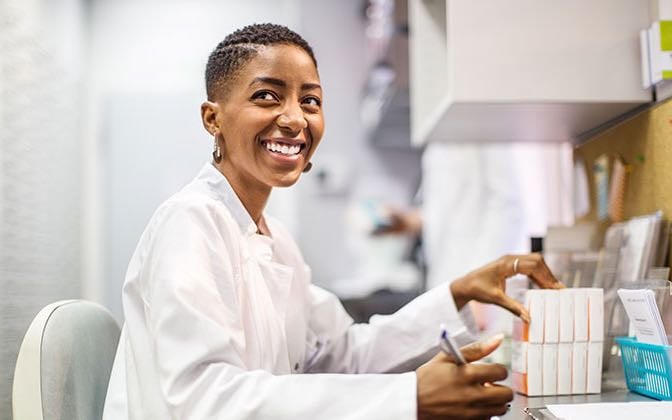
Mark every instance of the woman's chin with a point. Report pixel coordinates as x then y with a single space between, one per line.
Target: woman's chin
287 180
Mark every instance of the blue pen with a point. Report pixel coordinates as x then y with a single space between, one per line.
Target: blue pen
450 347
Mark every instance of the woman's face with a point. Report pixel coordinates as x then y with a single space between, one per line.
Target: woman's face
271 119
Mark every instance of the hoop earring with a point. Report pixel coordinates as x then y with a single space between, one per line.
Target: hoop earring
216 151
308 167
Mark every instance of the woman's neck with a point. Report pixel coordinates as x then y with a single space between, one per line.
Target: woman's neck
252 194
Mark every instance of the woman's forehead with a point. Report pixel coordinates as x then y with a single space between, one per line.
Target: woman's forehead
281 61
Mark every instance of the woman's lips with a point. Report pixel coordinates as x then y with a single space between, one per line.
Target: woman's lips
284 147
283 152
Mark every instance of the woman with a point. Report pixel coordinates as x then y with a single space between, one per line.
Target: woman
221 318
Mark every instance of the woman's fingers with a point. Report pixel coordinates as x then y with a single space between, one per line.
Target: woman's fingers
473 351
495 394
514 307
482 373
533 265
445 390
480 349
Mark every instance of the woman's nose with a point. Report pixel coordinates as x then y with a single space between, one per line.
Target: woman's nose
292 119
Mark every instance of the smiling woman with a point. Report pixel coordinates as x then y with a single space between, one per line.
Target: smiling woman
221 318
266 121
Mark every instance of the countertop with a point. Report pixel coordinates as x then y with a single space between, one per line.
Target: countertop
609 394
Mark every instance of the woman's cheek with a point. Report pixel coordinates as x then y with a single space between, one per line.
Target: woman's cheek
316 131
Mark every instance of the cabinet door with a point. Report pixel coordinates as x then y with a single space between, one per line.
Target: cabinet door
523 69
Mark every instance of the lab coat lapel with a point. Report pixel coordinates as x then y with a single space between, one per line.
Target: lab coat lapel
295 317
278 280
274 286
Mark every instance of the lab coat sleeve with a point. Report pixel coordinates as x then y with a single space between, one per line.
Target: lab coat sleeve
388 343
199 342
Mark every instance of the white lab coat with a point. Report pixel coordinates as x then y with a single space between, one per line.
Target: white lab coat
483 200
223 323
473 207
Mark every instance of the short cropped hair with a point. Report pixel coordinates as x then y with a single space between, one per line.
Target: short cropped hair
239 47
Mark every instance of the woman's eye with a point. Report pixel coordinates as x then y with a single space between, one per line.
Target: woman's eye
264 96
312 101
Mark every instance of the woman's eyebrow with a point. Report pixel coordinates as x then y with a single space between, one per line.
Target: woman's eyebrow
281 83
270 81
308 86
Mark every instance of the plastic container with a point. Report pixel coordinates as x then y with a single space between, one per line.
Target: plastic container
648 369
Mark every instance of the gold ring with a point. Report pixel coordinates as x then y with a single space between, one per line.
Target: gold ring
515 265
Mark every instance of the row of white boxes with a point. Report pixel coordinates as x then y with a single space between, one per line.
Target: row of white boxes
560 351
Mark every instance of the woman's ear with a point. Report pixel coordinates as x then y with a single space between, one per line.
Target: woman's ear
209 112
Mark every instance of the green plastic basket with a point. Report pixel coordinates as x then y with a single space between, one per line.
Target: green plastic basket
648 370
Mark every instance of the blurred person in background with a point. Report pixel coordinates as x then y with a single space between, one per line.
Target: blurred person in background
222 320
471 207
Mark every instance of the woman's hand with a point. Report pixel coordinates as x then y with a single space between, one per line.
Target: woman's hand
487 283
449 391
401 222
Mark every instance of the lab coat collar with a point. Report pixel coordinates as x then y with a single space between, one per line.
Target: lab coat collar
223 191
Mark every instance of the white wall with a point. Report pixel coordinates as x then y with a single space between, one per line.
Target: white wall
40 177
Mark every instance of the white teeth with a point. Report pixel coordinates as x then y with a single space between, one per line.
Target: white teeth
283 148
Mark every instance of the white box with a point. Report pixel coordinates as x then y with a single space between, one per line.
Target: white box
520 330
534 369
595 314
549 369
660 62
527 365
594 371
560 351
645 58
566 334
580 315
519 366
534 302
579 366
551 316
565 368
519 356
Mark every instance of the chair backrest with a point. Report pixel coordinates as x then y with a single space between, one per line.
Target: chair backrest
64 363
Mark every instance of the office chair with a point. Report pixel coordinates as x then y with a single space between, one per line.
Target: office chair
64 363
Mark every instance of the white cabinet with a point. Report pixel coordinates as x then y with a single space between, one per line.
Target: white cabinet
522 70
